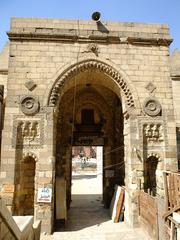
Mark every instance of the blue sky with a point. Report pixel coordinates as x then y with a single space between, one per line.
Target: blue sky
148 11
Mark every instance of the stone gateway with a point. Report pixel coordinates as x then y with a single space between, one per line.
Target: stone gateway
69 83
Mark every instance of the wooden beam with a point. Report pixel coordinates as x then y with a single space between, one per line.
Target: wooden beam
171 211
166 190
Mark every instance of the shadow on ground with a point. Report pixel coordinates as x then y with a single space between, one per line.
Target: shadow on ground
86 211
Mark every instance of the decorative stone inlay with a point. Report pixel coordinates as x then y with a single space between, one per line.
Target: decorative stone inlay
28 132
30 154
84 66
153 154
153 132
94 48
152 107
150 87
30 85
29 105
158 120
30 129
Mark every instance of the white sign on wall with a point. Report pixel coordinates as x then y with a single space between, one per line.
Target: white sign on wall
44 195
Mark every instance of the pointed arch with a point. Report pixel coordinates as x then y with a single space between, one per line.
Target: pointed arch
108 68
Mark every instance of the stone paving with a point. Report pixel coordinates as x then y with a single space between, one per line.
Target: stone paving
89 220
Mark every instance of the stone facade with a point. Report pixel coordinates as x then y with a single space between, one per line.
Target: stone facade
58 70
4 58
175 73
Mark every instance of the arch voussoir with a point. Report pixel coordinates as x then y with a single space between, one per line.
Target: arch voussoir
84 66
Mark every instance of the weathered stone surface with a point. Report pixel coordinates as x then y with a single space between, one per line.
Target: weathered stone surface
73 66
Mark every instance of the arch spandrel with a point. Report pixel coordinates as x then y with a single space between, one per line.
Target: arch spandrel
119 78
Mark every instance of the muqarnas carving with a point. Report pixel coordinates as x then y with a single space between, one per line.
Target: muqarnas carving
153 132
152 107
84 66
30 130
28 133
29 105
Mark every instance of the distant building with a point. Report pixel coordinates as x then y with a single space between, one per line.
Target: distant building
89 152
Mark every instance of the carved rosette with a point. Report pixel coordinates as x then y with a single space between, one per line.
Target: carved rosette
93 48
29 105
152 107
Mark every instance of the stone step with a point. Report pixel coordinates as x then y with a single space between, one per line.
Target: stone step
124 235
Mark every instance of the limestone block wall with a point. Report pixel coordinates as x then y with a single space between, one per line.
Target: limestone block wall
3 81
175 74
176 99
4 58
40 60
41 50
143 63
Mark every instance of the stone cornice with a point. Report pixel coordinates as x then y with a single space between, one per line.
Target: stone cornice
91 36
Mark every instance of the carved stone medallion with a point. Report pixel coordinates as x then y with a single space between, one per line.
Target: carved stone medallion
29 105
152 107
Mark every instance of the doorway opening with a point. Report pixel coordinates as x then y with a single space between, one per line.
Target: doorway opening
86 206
90 114
87 170
87 188
150 175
